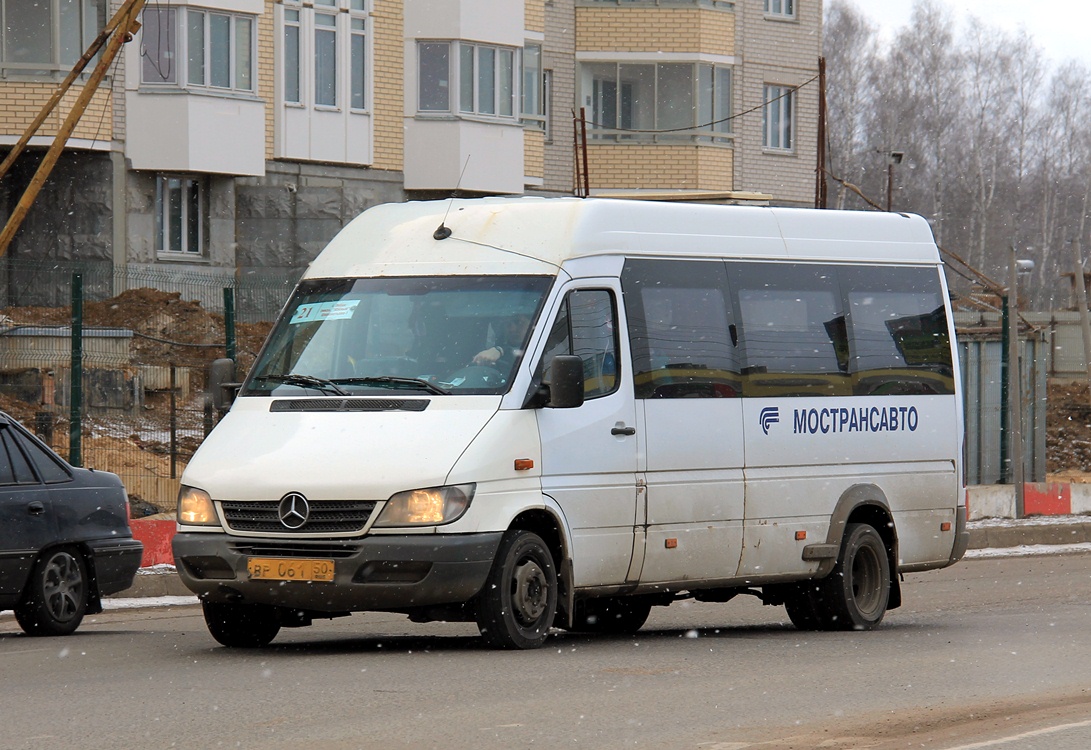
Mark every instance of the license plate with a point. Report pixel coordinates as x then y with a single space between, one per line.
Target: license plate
289 569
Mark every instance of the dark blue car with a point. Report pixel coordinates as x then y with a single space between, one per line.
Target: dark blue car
65 540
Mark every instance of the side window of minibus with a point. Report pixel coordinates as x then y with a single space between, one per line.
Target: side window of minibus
794 333
586 326
681 327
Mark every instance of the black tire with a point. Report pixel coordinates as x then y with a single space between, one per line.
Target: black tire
854 596
516 607
620 616
242 625
803 607
55 599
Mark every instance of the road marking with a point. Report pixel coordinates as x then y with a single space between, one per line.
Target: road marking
1023 736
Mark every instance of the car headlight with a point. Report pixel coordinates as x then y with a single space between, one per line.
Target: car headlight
430 506
195 507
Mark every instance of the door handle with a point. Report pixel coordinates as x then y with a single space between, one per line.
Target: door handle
36 508
621 429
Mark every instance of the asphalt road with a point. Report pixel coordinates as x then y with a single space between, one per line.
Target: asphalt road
992 653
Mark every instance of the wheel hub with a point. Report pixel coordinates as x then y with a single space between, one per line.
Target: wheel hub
531 595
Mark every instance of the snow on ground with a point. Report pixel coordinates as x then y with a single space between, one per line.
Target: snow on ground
1028 550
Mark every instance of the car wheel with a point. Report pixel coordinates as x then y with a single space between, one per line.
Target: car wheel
56 595
516 607
803 607
620 616
854 596
242 625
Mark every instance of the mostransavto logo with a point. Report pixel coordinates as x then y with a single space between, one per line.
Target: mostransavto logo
861 419
769 416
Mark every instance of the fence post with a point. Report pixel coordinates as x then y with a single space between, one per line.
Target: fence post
173 422
75 426
229 322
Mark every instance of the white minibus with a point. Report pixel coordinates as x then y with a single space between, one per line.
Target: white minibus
536 413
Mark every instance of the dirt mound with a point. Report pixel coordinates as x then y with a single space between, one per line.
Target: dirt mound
167 329
1068 429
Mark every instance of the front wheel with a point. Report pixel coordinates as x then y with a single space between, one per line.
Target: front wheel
516 607
854 596
241 625
55 599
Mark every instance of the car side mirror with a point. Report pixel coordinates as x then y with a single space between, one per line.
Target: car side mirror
221 383
565 382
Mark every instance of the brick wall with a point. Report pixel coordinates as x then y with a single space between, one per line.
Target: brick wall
658 167
782 53
388 115
266 77
533 152
558 56
21 101
640 29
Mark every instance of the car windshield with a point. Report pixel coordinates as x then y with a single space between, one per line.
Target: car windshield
433 335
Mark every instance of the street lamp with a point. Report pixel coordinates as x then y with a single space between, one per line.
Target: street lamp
1016 268
892 158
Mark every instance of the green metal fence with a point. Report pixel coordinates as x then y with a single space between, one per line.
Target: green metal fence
143 338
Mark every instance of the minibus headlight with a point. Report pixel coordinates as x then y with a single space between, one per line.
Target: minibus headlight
195 507
433 505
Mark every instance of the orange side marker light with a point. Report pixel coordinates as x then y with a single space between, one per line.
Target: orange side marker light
524 464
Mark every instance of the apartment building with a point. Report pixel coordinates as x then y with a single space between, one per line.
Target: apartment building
237 136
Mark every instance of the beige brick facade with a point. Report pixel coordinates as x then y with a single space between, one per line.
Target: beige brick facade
658 167
533 153
22 101
639 29
266 72
388 33
534 15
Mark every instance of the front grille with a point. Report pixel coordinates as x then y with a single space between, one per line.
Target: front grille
288 549
326 517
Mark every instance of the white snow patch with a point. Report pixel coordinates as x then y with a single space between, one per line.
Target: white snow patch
1028 550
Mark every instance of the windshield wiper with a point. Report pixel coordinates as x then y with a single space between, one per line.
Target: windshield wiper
305 381
395 381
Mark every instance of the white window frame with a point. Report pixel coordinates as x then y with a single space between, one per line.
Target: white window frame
176 69
780 8
59 58
533 98
470 92
352 76
778 118
193 191
722 132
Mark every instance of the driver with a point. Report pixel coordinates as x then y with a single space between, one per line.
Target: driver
508 347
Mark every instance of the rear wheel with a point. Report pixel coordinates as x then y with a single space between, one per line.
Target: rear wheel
55 599
516 607
621 616
854 596
242 625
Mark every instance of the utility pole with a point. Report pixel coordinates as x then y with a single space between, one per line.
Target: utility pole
123 32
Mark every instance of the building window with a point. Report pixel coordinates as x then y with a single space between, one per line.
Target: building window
533 99
485 75
219 49
547 104
781 8
661 101
777 118
325 53
47 36
181 210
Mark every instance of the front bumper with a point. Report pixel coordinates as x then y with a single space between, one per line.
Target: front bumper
375 573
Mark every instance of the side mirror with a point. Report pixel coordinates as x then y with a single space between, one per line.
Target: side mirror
565 382
221 383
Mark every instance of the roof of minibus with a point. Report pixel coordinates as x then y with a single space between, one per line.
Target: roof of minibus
533 235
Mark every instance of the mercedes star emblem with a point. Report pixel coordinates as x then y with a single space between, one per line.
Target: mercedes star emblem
294 510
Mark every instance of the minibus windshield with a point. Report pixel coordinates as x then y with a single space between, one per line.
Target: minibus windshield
433 335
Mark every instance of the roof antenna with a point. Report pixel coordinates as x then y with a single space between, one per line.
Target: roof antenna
443 231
